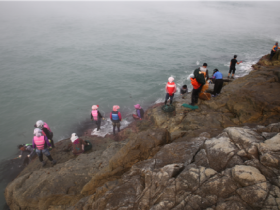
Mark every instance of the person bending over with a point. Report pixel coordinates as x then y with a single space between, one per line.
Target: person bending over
184 91
26 152
139 112
218 76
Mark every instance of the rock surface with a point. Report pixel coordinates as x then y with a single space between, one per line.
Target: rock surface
224 155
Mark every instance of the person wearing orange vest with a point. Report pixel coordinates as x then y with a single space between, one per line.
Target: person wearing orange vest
170 89
273 50
41 144
196 89
96 116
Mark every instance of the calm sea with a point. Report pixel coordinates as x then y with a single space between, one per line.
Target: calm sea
57 59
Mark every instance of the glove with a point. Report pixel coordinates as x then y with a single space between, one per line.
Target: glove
19 156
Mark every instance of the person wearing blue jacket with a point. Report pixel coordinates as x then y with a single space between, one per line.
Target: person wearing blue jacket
218 76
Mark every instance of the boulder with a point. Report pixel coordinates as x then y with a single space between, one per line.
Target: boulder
245 139
254 185
219 152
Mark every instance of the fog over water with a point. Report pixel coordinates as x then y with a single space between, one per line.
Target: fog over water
57 59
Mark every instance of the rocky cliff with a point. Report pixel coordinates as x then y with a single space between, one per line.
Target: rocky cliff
224 155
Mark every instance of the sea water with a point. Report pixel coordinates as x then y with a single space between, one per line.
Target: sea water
57 59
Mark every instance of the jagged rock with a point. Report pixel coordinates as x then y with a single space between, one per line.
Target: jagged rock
270 152
58 185
219 152
142 146
274 127
254 186
245 139
237 169
268 135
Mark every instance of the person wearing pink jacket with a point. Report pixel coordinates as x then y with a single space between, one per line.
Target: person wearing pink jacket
41 144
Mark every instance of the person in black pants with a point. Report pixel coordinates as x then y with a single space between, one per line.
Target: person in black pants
232 65
46 131
218 76
273 50
195 93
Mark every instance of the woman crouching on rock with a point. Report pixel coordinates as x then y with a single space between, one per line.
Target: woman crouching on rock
79 145
41 143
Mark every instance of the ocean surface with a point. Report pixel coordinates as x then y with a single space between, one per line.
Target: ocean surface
57 59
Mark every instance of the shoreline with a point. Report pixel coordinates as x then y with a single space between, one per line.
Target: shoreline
247 101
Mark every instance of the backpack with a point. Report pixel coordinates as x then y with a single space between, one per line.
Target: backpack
199 77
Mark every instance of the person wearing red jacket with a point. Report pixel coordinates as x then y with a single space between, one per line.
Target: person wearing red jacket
170 89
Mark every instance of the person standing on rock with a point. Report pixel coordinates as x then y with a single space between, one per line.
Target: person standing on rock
41 144
116 117
96 116
232 67
198 80
79 145
218 76
46 130
170 89
273 50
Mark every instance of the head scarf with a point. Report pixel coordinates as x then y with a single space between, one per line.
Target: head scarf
137 106
74 137
40 124
170 79
115 107
94 107
38 132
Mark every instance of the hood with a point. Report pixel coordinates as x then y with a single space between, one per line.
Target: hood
115 107
137 106
170 79
94 107
74 137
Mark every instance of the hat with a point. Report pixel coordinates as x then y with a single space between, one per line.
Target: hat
191 75
74 137
137 106
40 124
205 64
115 107
170 79
38 132
94 107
